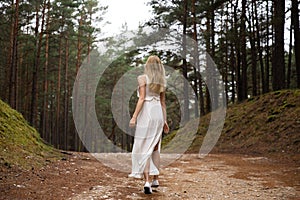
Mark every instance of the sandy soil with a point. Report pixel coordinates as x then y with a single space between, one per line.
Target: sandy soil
79 176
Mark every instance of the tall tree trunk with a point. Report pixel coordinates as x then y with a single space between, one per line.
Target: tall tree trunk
267 82
79 44
58 91
14 57
233 59
20 80
44 115
260 52
66 96
89 45
278 69
10 65
233 72
238 55
39 37
196 67
253 40
226 61
254 67
295 19
184 65
34 71
289 67
26 88
52 116
78 63
214 79
208 41
244 92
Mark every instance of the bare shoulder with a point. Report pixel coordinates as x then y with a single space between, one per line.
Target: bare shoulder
142 80
143 76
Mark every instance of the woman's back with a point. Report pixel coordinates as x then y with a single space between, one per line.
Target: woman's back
149 96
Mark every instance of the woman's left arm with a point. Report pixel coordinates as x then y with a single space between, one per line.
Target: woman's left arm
164 109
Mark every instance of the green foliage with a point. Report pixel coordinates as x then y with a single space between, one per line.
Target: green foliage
70 35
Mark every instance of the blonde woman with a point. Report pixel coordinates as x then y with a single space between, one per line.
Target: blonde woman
150 119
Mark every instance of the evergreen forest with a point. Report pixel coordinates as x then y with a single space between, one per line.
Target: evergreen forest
255 46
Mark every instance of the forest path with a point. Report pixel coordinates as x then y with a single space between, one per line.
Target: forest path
215 177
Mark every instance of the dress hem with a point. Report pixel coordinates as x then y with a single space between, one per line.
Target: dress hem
140 175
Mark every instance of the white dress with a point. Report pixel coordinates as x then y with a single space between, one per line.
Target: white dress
149 127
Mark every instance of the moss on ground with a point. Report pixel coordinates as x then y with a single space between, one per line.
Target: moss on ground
20 144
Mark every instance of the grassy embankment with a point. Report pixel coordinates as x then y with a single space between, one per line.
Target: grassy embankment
266 124
20 144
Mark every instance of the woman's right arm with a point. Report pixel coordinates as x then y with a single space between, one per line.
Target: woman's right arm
140 103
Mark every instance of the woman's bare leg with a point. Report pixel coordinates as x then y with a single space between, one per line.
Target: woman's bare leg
147 186
146 171
156 159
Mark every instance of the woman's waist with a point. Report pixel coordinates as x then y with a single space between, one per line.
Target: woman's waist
152 98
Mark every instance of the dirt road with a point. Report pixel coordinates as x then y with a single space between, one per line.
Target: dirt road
215 177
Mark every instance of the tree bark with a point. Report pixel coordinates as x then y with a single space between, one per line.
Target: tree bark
44 118
233 72
196 67
295 22
58 91
278 68
39 37
259 49
209 48
244 92
289 66
267 60
186 113
237 43
14 58
78 63
252 37
214 98
66 96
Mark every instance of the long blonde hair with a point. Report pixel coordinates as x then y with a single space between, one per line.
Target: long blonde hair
155 71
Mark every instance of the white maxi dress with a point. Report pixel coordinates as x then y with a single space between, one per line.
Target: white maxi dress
148 133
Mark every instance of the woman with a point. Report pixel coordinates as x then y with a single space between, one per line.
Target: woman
150 119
